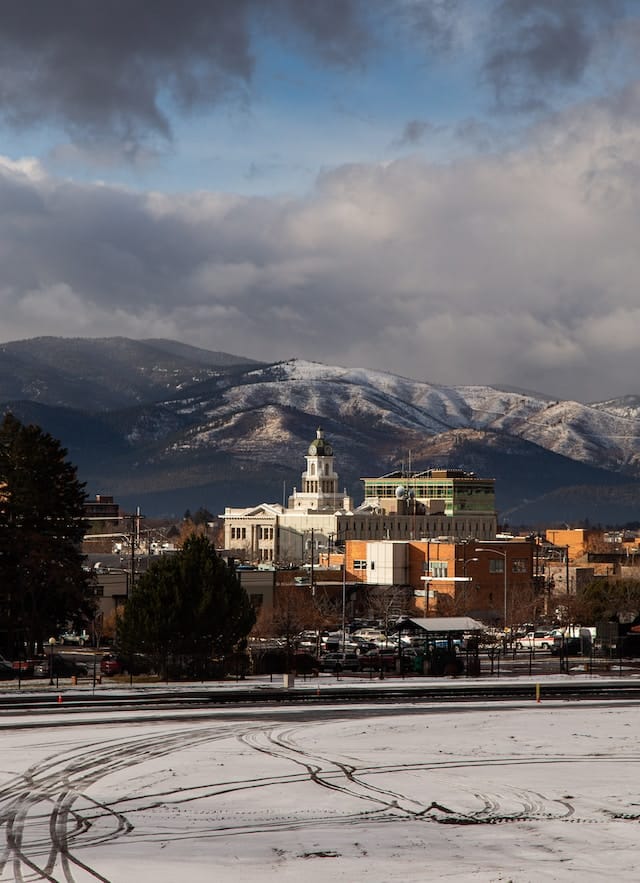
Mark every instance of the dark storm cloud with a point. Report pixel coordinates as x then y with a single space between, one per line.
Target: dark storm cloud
540 45
115 71
107 68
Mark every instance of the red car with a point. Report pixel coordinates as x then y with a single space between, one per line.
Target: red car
137 664
111 665
24 666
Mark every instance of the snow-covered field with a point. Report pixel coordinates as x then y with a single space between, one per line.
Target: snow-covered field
520 792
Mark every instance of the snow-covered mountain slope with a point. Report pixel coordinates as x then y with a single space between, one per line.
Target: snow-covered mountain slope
253 411
150 417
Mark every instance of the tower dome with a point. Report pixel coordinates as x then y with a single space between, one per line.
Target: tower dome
320 447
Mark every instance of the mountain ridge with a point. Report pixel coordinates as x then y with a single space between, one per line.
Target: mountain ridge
169 424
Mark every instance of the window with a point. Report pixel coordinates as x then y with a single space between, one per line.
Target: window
438 568
519 565
359 564
496 565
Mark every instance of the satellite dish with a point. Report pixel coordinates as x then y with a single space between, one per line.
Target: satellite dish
400 492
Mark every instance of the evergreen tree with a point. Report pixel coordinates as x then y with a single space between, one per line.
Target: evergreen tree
43 585
190 604
607 599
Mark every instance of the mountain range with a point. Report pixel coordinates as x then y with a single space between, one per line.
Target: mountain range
166 426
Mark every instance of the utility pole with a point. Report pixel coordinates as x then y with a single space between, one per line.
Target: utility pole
133 540
313 585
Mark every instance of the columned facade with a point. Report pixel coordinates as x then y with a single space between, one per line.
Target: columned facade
270 534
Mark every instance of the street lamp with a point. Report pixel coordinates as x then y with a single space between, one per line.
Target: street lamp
465 562
504 556
52 644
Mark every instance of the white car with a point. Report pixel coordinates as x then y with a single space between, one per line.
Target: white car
74 638
539 640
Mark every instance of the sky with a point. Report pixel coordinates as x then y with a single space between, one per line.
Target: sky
516 792
444 189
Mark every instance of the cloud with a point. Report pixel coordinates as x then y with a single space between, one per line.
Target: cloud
114 70
117 70
537 47
415 131
513 268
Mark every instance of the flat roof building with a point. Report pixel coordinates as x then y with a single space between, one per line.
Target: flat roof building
451 491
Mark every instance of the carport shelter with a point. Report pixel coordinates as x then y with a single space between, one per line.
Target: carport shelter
441 633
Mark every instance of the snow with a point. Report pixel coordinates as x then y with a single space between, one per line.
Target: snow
597 435
514 791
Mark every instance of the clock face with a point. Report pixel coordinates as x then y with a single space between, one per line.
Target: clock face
325 451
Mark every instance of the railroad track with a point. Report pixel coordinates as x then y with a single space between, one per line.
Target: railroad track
319 694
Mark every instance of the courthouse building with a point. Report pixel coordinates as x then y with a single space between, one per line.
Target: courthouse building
318 518
275 534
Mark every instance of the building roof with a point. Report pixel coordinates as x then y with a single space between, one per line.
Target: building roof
441 624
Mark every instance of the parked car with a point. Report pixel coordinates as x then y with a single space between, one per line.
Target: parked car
111 665
24 667
340 662
6 669
387 660
74 638
567 647
63 667
538 640
362 645
138 663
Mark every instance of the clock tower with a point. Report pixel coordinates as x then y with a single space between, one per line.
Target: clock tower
319 480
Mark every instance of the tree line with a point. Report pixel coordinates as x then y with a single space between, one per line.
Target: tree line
190 604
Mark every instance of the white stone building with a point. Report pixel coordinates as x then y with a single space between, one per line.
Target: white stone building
271 533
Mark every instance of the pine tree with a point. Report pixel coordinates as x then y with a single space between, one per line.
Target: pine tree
43 585
188 605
